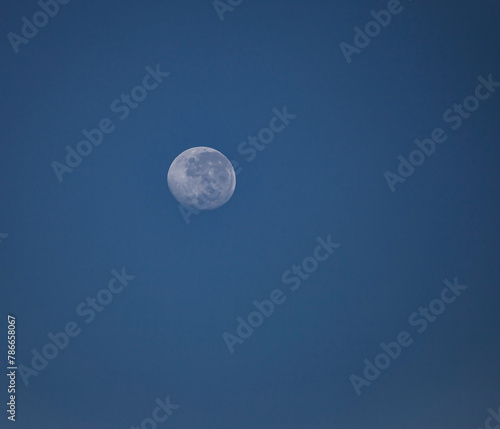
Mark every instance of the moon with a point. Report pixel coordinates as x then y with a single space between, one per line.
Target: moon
201 177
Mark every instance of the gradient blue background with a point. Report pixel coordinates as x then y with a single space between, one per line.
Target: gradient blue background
322 175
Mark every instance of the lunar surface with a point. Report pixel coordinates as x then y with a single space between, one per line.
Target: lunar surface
201 177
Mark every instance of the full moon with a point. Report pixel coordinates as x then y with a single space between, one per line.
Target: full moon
201 177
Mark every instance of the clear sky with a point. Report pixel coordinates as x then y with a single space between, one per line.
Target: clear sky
352 112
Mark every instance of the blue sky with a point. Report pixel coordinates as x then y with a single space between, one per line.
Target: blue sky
323 175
